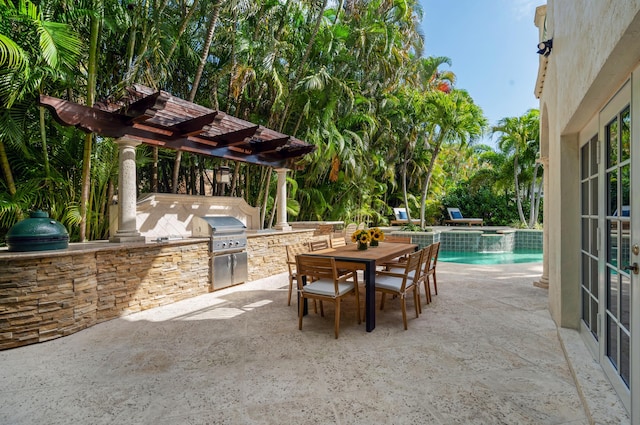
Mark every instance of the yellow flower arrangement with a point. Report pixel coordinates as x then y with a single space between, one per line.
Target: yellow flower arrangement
362 236
376 234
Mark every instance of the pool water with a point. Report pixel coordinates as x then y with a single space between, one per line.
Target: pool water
522 256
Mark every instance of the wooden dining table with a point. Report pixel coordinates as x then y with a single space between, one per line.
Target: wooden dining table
351 257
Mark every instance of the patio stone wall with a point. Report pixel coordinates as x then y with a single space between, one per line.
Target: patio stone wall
268 253
50 294
47 295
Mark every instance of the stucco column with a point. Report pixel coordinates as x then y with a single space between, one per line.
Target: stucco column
127 230
544 279
282 200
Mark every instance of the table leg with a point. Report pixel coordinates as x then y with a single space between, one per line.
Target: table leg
370 295
305 308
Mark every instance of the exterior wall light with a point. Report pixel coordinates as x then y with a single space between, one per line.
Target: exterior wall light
544 47
223 175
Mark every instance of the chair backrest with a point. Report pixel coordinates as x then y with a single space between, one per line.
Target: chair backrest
412 269
400 213
427 252
336 242
316 268
349 229
361 226
292 251
433 257
454 213
397 239
319 244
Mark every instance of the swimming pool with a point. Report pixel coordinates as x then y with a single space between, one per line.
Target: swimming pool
519 256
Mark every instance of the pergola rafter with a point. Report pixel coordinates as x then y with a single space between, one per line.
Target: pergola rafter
159 119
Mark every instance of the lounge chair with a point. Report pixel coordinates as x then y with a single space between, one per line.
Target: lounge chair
455 217
401 217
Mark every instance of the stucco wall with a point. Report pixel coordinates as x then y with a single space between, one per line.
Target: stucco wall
596 46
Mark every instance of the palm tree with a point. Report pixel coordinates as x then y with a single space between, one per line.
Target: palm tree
454 118
519 140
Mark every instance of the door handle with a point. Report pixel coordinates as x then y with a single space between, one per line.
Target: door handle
633 267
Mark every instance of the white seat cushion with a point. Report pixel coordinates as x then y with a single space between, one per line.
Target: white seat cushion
326 287
388 282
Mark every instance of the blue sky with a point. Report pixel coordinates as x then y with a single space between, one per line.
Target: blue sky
492 45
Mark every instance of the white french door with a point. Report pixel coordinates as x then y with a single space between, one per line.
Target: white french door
610 251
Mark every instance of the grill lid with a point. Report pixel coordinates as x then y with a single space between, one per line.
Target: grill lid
212 225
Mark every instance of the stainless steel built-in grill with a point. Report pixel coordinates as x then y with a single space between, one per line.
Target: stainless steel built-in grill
227 249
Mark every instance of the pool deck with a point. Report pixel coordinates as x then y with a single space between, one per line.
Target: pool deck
484 352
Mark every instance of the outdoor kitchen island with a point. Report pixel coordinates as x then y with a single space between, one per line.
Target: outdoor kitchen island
50 294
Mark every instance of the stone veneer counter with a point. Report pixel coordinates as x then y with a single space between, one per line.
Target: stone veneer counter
50 294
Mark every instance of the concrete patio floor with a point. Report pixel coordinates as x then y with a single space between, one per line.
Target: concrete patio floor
484 352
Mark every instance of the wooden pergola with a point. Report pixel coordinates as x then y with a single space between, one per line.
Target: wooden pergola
159 119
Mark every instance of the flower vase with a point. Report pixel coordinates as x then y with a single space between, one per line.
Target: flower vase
362 245
373 243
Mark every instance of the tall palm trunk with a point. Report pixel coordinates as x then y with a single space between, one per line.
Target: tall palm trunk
533 200
518 195
303 63
88 140
6 170
196 83
427 181
405 191
183 28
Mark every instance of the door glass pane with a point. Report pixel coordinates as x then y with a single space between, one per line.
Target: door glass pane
585 234
594 155
612 143
612 341
624 357
625 300
594 196
612 179
594 236
594 274
612 246
586 313
625 135
594 317
584 162
612 292
585 197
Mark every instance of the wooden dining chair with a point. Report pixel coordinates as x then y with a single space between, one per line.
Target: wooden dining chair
337 242
349 229
431 270
399 261
319 244
424 269
324 284
292 251
401 283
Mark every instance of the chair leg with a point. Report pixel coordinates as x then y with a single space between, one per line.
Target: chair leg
382 301
321 309
300 311
358 306
427 288
416 300
337 321
404 312
435 282
290 290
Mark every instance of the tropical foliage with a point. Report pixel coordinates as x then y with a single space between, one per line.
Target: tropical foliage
349 77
